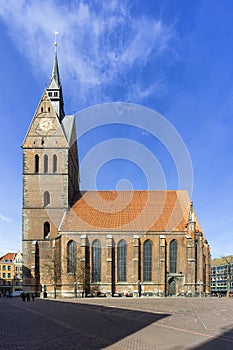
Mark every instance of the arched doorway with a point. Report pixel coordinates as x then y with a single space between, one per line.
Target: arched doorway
172 287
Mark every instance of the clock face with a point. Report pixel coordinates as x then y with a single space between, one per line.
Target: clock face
45 124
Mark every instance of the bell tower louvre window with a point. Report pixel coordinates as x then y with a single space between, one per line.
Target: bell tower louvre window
46 199
37 164
45 163
54 163
46 229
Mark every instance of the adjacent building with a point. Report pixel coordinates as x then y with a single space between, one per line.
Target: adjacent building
91 242
11 274
221 275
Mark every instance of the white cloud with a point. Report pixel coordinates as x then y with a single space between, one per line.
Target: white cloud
142 92
5 218
152 36
99 43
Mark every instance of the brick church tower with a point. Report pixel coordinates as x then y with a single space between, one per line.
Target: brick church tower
50 178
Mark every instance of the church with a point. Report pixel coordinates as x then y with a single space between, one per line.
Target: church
97 243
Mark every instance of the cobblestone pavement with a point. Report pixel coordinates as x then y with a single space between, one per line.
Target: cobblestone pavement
117 323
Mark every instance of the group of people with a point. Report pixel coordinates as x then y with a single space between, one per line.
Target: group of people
27 296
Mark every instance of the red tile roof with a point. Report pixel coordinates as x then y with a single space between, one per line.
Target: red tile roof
119 211
7 257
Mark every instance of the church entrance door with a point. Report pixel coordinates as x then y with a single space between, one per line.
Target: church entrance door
172 287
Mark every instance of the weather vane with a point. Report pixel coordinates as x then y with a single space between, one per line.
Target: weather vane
55 42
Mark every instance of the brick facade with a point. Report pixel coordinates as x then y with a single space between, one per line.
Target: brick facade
159 228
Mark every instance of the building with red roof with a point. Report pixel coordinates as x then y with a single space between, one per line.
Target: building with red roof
100 242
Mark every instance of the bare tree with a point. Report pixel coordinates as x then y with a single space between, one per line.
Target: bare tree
82 276
78 265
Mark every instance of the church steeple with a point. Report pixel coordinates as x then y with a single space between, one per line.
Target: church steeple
55 77
54 89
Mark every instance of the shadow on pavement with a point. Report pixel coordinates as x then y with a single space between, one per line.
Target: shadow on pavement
68 325
47 324
222 342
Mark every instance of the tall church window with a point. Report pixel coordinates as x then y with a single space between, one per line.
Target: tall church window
46 199
36 164
96 261
45 163
173 256
71 257
147 261
46 229
54 163
121 261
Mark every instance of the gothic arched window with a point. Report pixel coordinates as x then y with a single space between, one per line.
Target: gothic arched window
121 261
147 261
45 163
173 256
54 163
46 199
96 261
46 229
36 164
71 257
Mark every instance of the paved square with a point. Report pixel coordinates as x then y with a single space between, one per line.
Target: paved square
117 323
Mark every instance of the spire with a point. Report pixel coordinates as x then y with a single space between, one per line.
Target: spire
55 77
55 73
54 89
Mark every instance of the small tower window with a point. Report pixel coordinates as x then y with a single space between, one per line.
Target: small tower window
50 94
54 163
48 109
42 109
55 93
46 199
45 163
36 164
46 230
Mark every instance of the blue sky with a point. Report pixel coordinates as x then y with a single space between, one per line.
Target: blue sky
175 57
